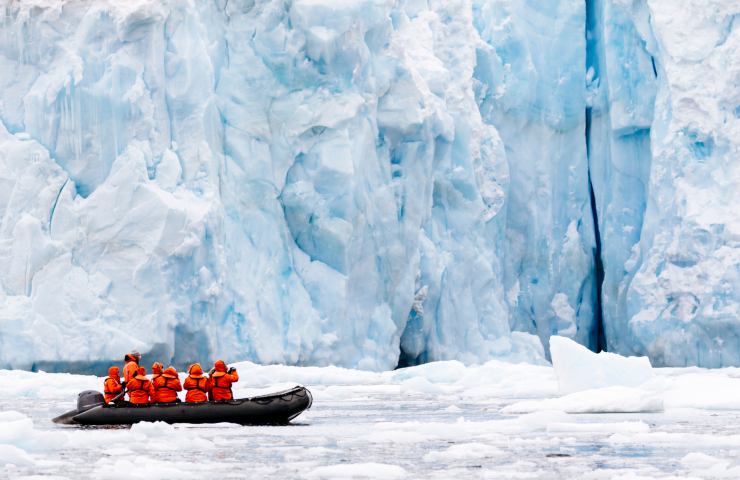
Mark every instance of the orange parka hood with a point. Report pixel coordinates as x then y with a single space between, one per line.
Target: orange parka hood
196 371
141 374
220 368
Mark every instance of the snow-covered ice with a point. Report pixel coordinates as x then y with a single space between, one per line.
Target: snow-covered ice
578 368
596 383
441 420
600 400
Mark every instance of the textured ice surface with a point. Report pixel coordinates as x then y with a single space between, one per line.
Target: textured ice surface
664 144
390 425
683 304
530 78
304 182
354 182
622 82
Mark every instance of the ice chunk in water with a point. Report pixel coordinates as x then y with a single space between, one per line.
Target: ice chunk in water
578 368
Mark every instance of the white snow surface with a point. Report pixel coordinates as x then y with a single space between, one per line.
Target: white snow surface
392 425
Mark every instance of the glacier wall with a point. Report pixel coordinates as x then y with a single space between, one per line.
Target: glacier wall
682 306
366 182
664 85
283 182
531 86
621 77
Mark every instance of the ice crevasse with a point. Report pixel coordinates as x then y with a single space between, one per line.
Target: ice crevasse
368 182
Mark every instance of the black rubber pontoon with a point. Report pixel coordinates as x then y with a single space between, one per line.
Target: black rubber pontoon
272 409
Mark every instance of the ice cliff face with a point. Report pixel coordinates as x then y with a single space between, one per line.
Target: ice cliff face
366 182
276 181
530 84
664 142
682 306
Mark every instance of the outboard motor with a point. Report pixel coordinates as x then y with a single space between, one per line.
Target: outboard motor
89 399
85 401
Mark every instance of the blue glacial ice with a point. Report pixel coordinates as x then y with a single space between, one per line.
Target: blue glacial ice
531 85
663 138
282 182
683 303
368 182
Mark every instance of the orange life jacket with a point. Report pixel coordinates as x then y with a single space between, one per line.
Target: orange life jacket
112 387
130 370
156 373
197 388
139 391
221 381
164 389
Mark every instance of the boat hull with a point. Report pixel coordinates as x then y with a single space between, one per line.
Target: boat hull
273 409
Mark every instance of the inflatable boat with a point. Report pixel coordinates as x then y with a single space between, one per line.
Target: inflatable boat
272 409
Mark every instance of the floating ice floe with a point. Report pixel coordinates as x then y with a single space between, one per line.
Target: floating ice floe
578 368
596 383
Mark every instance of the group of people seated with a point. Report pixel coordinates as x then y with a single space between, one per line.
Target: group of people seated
164 385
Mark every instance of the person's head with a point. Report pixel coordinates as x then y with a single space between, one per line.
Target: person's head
220 368
195 370
133 356
113 372
157 368
170 372
141 374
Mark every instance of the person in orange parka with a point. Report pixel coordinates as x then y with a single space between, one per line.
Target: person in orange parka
221 381
166 386
131 365
112 386
156 371
139 388
196 384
